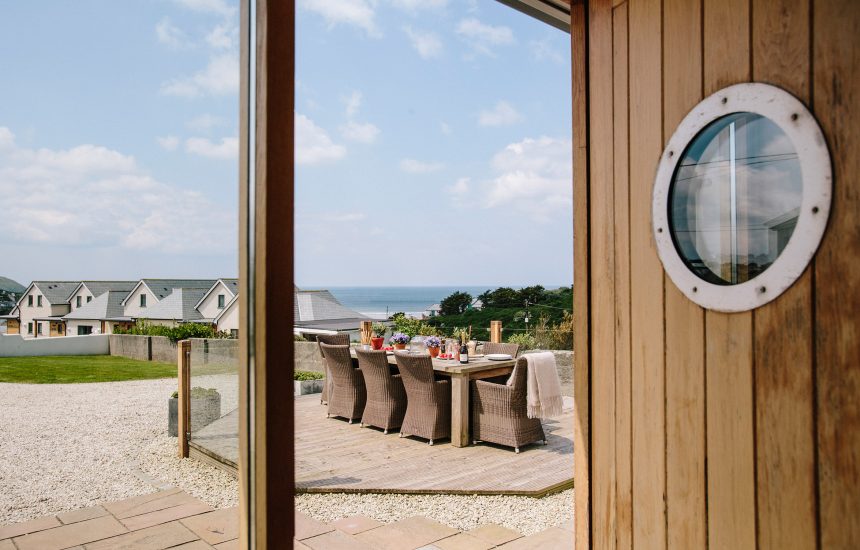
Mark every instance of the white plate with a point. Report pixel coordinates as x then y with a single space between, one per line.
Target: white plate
498 357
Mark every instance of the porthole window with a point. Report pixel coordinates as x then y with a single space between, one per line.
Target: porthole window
741 197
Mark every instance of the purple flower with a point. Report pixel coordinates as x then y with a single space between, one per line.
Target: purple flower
399 338
432 342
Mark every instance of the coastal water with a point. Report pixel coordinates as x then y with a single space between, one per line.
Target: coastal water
379 302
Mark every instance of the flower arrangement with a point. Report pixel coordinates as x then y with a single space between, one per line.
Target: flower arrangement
379 329
433 342
399 338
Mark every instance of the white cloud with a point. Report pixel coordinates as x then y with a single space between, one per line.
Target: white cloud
414 6
220 77
345 217
7 138
502 114
542 50
483 37
460 188
216 7
359 132
534 175
413 166
223 37
168 143
445 128
169 34
428 44
353 103
313 144
227 149
93 196
204 122
358 13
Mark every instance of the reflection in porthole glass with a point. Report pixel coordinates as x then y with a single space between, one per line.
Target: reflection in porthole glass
735 198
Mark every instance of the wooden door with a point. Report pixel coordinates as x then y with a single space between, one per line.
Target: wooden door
701 429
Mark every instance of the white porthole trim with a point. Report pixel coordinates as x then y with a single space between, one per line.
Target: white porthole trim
793 118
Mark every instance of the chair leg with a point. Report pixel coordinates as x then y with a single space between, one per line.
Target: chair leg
431 442
400 434
474 442
327 415
517 450
350 420
361 425
385 431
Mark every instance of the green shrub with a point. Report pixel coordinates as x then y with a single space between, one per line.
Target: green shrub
412 327
198 393
302 375
379 329
183 331
525 340
299 338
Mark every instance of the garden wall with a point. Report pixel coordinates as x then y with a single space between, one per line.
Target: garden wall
143 348
15 345
307 357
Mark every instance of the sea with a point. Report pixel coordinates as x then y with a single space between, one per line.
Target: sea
380 302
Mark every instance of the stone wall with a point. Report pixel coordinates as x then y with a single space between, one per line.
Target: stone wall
131 346
564 362
217 352
163 349
307 357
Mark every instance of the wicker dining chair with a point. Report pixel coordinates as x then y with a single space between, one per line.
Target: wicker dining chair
348 394
496 347
499 411
386 397
339 339
428 401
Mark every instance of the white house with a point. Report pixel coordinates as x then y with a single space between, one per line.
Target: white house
87 291
177 307
227 319
217 298
42 306
103 315
149 292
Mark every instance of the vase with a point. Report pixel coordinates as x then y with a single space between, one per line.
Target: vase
376 343
434 352
399 346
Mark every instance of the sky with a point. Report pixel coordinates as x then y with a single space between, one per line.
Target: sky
432 142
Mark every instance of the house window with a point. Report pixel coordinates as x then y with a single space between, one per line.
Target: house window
220 301
30 327
29 301
143 300
84 330
39 301
78 301
234 333
89 299
38 328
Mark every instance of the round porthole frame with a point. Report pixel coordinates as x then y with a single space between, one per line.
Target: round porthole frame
795 120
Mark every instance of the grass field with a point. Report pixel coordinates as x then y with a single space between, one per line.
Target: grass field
70 369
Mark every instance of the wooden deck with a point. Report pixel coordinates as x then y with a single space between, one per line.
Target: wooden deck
333 456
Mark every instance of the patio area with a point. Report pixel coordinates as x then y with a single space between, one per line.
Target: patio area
333 456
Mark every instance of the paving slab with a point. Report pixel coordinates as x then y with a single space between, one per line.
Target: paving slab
229 545
307 527
166 515
7 545
356 524
463 542
83 514
159 537
406 534
148 503
335 540
32 526
196 545
71 535
215 527
553 538
494 534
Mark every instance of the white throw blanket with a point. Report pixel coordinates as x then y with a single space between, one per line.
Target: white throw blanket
543 387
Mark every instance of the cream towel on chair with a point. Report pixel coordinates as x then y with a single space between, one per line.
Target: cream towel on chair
543 387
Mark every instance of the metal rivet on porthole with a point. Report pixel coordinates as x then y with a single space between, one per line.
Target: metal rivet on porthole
671 153
762 289
793 116
659 230
695 289
725 100
815 210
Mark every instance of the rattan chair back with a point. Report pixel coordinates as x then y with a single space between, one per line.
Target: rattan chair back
339 339
416 371
377 372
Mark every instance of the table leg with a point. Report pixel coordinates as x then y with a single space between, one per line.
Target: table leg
460 410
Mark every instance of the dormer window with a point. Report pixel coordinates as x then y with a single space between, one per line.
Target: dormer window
78 301
220 301
29 301
89 299
143 300
38 301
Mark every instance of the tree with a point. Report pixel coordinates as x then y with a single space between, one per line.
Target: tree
534 294
501 297
455 304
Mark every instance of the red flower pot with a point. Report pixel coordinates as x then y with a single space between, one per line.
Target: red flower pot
434 352
399 346
376 343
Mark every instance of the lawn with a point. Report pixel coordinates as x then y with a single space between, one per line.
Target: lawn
69 369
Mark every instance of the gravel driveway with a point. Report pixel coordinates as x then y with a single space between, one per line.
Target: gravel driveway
69 446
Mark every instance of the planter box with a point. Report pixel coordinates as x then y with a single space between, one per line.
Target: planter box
304 387
204 411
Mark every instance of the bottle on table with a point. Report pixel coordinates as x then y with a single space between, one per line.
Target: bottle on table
464 352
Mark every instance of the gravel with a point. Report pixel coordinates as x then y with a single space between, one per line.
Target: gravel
69 446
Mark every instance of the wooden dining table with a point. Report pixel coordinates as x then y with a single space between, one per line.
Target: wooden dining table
460 374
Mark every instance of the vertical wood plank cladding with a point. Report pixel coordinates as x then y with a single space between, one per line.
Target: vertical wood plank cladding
244 470
784 401
621 177
729 338
685 362
647 370
602 274
273 261
836 97
581 317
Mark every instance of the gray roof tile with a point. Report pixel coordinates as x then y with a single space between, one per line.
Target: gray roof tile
164 287
106 306
56 292
178 305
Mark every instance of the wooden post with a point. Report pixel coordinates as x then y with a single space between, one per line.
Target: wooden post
495 332
366 332
183 425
